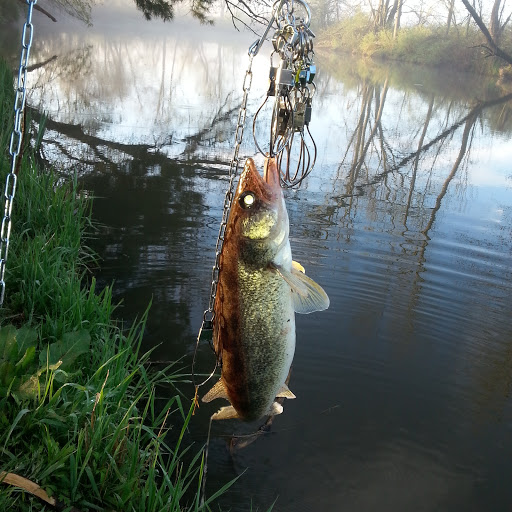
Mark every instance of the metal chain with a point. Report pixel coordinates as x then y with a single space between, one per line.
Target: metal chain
233 171
15 144
228 198
208 315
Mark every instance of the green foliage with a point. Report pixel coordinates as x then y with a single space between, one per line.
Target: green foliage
21 373
376 44
99 441
17 355
6 106
347 34
156 9
164 9
426 45
65 351
47 260
79 411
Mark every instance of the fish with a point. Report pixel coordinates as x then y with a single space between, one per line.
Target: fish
259 290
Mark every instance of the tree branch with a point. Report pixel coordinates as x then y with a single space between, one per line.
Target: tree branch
230 6
495 49
40 9
41 64
506 22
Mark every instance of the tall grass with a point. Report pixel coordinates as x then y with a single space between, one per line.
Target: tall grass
80 413
95 436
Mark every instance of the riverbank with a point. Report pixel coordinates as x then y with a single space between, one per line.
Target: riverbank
79 411
459 48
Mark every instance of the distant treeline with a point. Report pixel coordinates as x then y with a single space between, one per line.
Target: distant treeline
458 46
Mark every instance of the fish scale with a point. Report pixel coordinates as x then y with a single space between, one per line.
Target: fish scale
267 334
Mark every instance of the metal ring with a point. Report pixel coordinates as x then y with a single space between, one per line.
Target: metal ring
277 7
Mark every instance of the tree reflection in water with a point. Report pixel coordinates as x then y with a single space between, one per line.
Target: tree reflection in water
384 220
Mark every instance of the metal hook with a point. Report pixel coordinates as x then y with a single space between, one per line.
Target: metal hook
256 46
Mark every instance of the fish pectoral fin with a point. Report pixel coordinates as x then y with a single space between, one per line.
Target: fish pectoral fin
314 300
218 391
284 392
225 413
297 266
307 295
292 278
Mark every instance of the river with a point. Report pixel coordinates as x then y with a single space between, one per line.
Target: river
404 384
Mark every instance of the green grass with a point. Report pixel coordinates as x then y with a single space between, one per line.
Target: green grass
80 413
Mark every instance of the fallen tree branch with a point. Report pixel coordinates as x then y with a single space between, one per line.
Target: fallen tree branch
41 64
40 9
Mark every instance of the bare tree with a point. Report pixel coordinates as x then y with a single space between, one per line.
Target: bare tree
386 15
80 9
492 47
496 24
398 15
450 15
40 9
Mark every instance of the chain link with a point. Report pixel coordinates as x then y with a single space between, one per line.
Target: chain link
15 144
278 6
208 315
228 198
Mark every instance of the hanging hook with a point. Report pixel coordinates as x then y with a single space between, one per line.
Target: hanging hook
255 47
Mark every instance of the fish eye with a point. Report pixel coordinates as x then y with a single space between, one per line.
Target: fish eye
247 200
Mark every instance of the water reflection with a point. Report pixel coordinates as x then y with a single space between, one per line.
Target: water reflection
403 385
155 91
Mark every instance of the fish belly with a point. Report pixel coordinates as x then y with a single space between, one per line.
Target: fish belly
267 338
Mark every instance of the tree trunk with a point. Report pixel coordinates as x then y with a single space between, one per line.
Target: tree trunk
397 19
450 16
390 19
494 24
380 18
493 48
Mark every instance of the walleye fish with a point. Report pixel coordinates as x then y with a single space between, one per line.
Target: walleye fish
259 291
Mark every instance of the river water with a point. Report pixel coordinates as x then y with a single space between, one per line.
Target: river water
404 385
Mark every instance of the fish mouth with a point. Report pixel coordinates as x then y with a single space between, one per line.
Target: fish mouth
268 186
271 173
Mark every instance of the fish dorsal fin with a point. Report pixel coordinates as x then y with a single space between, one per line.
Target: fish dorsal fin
218 391
307 295
284 392
297 266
